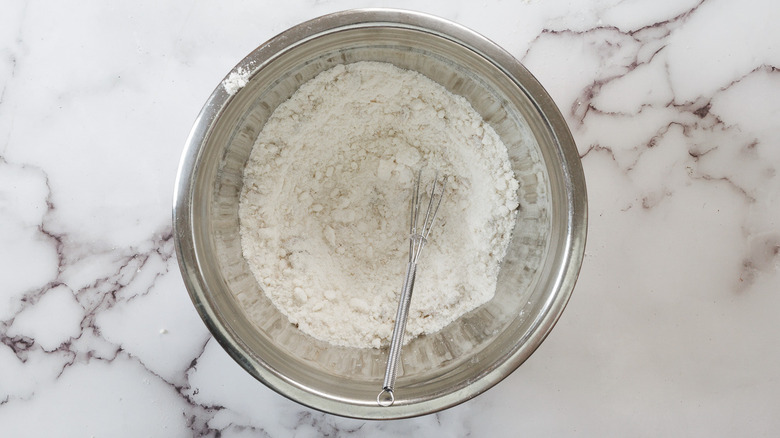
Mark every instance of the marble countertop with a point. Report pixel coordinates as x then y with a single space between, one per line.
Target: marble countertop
671 331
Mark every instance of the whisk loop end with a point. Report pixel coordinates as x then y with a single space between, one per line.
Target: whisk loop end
385 398
418 236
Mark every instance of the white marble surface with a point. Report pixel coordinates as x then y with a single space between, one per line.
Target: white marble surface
671 331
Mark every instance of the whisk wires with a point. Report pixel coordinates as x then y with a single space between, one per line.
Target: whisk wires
418 233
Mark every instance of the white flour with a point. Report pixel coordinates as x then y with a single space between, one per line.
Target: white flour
236 81
324 209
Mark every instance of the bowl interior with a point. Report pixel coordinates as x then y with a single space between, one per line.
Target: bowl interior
438 370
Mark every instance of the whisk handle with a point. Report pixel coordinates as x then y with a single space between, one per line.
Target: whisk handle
398 334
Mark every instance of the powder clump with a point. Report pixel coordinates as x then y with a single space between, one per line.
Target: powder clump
324 208
236 81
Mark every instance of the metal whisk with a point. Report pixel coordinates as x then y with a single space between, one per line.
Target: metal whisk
418 236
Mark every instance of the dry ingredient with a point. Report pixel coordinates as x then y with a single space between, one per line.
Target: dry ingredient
324 205
236 81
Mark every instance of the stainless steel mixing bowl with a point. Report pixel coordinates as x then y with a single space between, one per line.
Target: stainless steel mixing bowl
473 353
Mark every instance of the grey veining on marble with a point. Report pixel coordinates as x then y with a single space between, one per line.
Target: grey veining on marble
671 330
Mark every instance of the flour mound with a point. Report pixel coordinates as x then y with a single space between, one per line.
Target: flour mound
324 209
